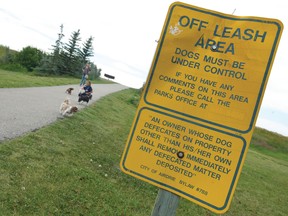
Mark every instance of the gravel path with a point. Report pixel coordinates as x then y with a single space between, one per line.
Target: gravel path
26 109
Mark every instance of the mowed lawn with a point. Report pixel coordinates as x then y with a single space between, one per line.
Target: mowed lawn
10 79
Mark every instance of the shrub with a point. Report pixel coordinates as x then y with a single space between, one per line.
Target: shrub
13 67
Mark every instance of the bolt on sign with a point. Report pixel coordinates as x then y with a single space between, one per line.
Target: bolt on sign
197 113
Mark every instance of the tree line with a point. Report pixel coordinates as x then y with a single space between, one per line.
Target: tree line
64 59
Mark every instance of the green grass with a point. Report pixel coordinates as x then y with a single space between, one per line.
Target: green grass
10 79
270 143
71 167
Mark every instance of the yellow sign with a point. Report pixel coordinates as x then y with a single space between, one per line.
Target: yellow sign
188 158
212 67
198 110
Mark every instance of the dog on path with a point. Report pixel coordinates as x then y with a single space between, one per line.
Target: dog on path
84 98
69 91
66 109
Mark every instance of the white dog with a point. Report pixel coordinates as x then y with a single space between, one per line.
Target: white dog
66 109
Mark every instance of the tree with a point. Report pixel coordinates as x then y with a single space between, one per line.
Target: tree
29 57
51 63
71 61
47 65
95 72
68 58
59 44
58 48
87 50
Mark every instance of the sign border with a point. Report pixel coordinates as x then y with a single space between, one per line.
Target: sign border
165 186
261 90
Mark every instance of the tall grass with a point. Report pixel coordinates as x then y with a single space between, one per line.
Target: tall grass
71 167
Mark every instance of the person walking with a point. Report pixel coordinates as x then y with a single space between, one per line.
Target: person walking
85 71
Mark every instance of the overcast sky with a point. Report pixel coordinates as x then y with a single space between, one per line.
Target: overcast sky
124 37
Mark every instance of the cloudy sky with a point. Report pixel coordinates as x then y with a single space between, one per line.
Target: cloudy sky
125 33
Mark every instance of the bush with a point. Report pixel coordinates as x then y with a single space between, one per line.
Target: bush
13 67
29 57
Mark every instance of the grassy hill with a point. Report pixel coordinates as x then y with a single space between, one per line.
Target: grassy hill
4 50
270 143
71 167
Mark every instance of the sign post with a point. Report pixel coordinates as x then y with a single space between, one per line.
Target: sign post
196 117
166 204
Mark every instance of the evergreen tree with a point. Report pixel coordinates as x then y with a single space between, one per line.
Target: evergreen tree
59 44
69 58
58 48
51 63
71 61
87 50
95 72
